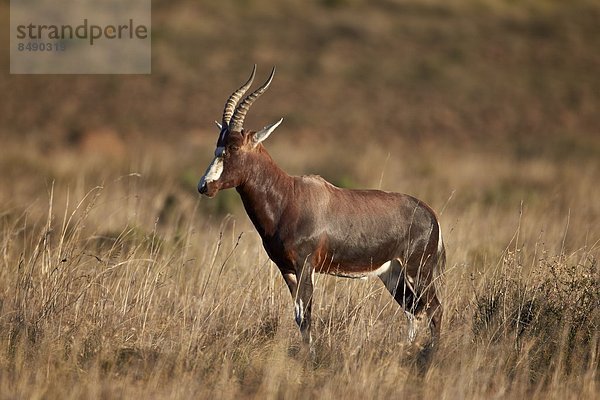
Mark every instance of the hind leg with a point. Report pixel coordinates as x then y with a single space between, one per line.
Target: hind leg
434 314
428 300
414 290
401 289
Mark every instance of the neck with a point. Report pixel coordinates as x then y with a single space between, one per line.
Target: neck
265 193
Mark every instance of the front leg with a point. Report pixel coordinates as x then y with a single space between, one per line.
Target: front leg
291 282
303 300
302 295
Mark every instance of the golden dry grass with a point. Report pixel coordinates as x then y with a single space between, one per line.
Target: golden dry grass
136 288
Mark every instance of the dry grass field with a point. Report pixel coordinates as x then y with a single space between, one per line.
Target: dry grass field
118 281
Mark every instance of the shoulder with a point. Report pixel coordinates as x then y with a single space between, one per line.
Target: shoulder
313 188
313 180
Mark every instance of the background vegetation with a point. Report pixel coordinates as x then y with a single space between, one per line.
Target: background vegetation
117 281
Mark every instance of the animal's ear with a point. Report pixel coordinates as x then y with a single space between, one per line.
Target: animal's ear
219 125
265 132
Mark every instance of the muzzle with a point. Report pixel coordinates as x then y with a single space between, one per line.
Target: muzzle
212 174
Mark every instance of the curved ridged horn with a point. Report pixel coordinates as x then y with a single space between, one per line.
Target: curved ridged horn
235 97
237 120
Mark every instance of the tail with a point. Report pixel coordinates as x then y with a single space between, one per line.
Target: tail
440 265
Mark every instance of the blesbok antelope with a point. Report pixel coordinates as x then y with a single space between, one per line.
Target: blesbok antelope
308 225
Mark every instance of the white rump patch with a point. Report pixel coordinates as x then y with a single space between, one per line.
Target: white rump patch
215 169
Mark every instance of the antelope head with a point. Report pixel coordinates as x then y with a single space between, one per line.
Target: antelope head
236 148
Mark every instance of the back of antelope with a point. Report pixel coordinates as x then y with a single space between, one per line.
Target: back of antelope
308 225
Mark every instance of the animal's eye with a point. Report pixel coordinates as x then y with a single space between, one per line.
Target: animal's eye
233 148
220 152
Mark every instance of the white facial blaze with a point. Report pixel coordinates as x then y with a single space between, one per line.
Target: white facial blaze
215 169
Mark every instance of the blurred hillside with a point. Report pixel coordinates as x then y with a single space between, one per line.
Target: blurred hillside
117 280
522 73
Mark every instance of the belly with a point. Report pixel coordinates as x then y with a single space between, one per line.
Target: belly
357 255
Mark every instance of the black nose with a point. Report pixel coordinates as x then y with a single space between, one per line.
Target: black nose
202 189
